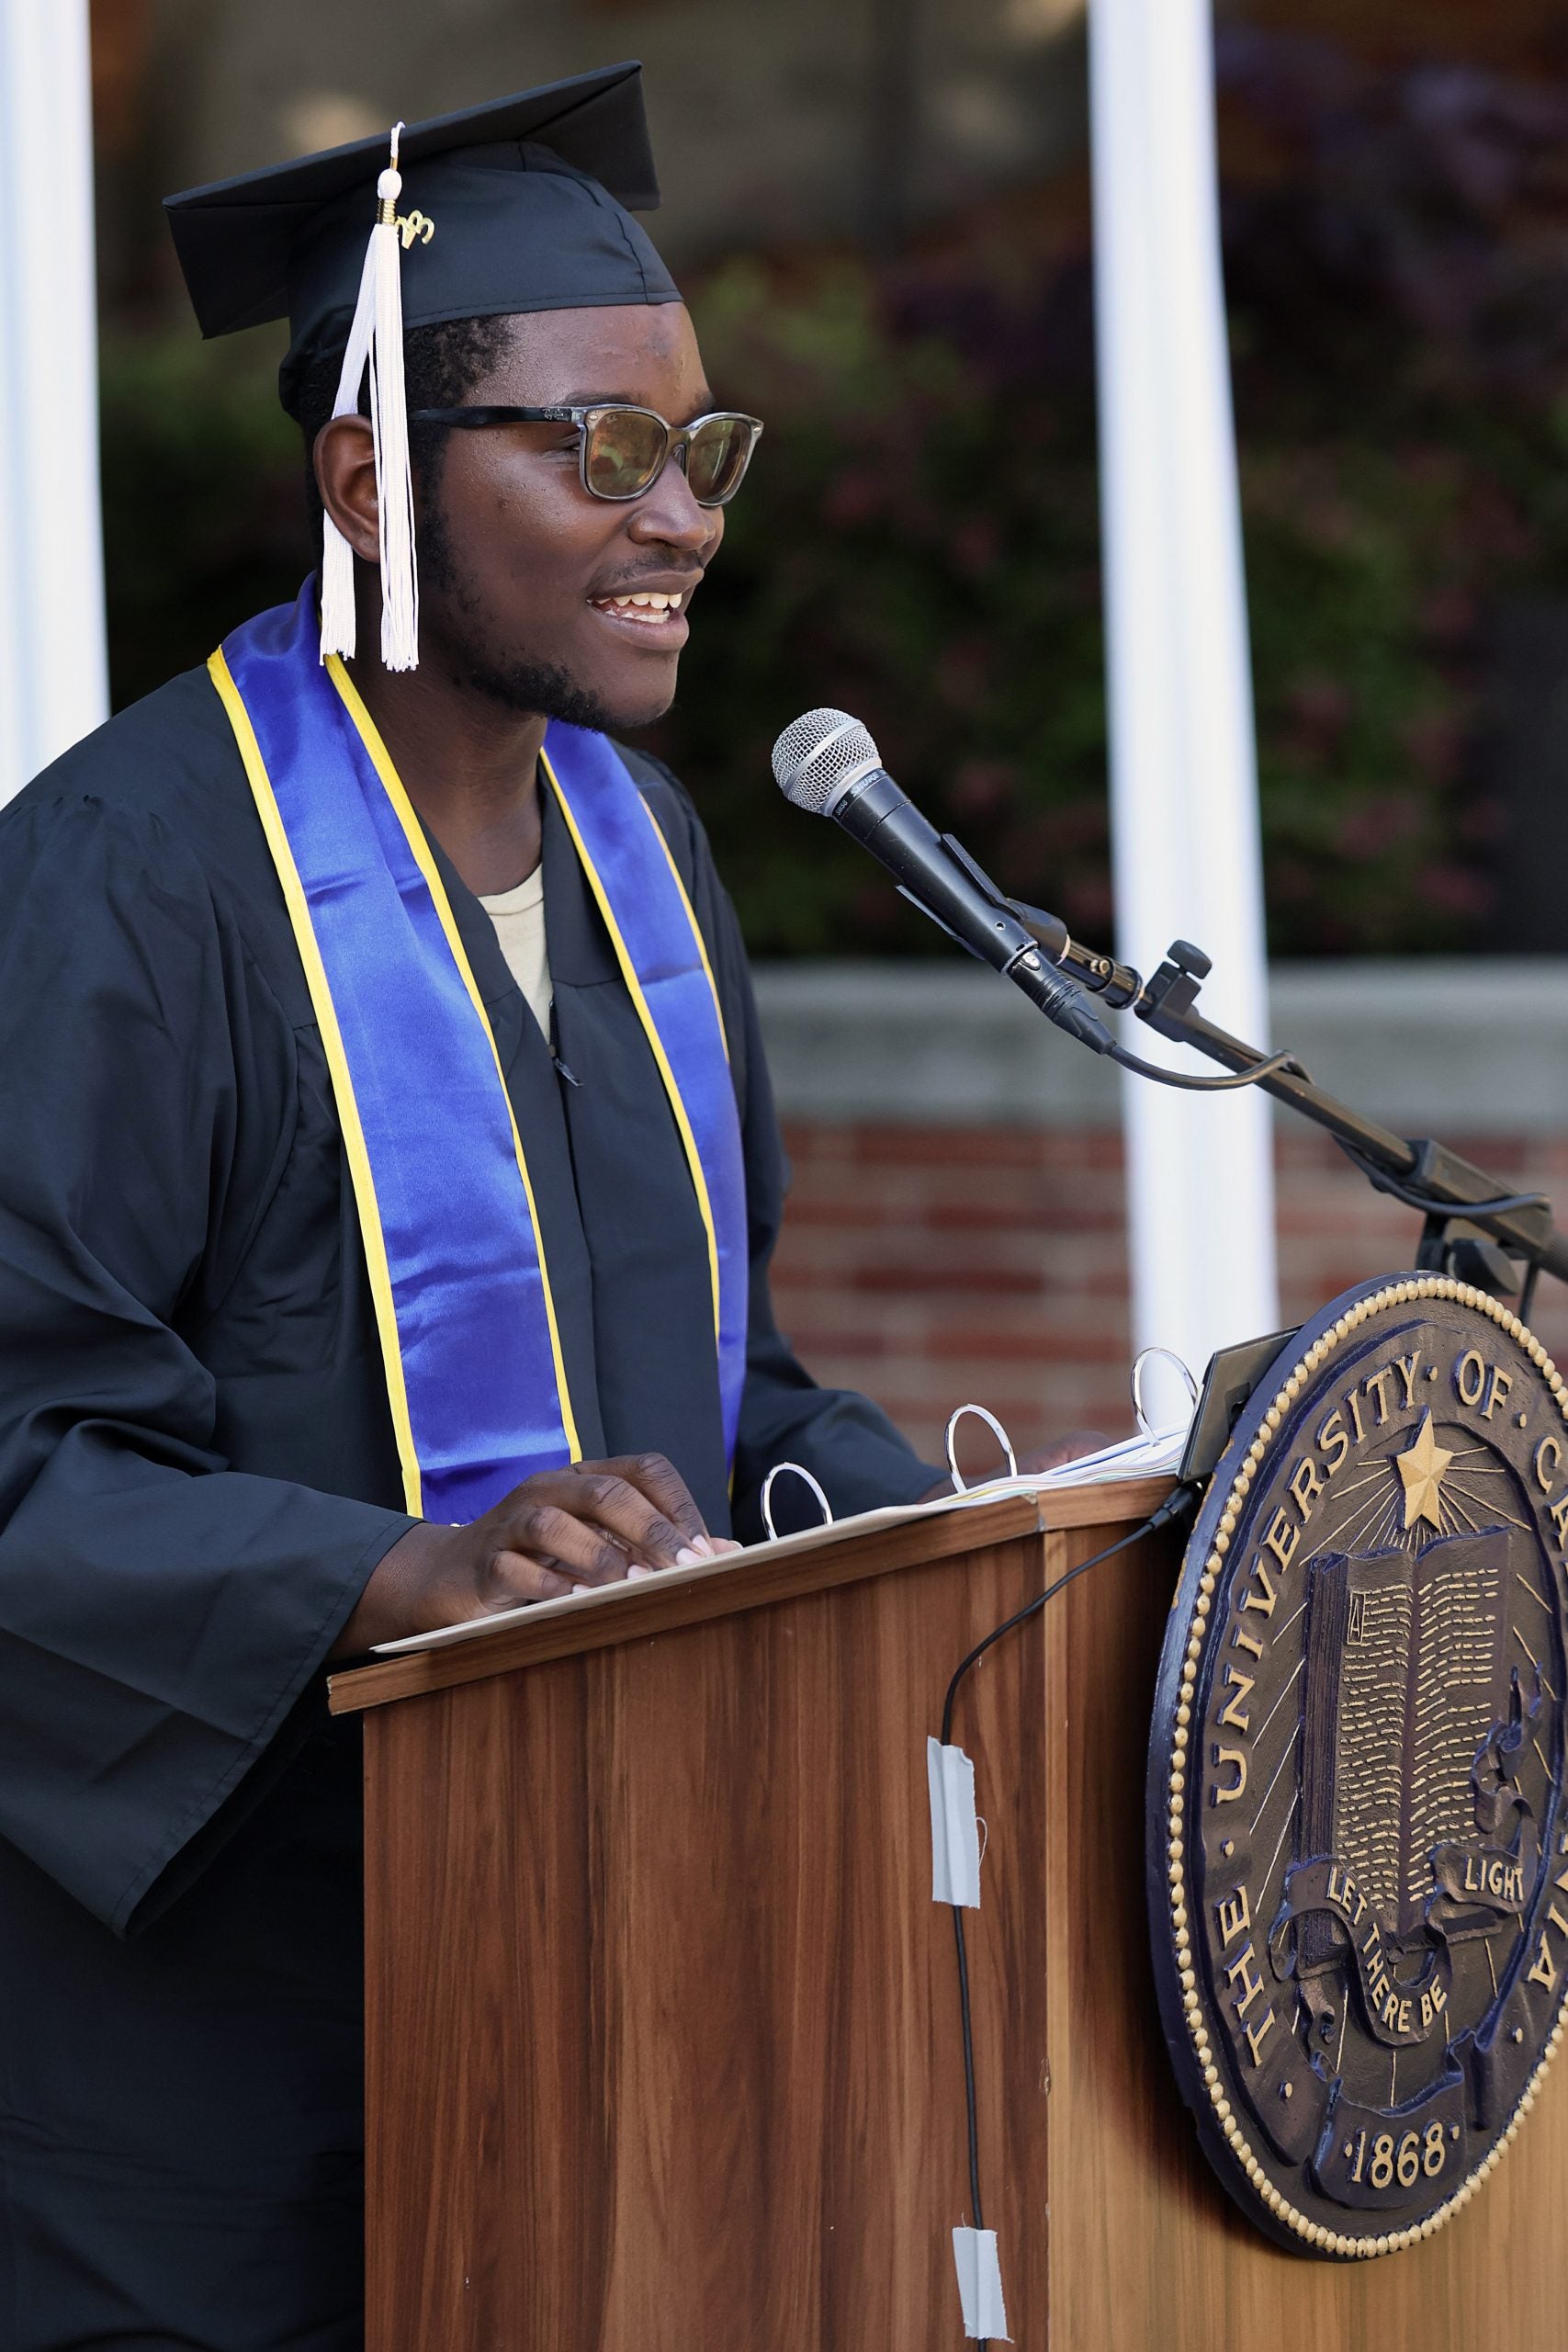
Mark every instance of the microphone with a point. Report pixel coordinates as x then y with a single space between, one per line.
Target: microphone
825 762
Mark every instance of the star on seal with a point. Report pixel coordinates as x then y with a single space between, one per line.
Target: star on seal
1421 1467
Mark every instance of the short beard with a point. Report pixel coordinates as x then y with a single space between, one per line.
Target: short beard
541 688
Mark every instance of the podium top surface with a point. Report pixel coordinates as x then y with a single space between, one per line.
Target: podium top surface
877 1545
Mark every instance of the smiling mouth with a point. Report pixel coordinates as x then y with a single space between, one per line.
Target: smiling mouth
647 608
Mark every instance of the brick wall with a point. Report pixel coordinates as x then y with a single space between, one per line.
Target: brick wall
929 1266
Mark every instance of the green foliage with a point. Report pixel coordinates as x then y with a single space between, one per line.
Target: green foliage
919 542
204 519
902 550
1363 725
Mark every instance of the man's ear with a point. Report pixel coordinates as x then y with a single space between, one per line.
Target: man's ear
345 463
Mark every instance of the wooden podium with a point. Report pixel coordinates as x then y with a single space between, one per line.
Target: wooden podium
661 2037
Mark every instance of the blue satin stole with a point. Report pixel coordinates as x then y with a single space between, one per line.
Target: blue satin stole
472 1354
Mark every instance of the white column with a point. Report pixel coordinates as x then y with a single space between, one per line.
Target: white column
1184 788
53 673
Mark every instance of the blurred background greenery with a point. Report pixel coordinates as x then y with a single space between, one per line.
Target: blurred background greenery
919 538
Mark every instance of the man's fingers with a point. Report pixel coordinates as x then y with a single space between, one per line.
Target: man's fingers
665 1488
577 1558
515 1578
587 1525
610 1507
719 1547
548 1531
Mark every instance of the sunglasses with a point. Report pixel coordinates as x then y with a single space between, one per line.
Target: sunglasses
622 450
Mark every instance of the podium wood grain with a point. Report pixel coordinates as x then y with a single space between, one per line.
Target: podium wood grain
663 2044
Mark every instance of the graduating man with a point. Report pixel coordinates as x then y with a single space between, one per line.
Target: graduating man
388 1185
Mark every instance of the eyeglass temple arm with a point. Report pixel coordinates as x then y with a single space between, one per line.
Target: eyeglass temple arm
506 415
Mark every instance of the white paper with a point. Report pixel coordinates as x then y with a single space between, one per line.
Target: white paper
956 1832
980 2285
608 1595
1131 1459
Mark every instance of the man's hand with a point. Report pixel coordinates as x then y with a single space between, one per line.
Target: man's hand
1044 1457
591 1524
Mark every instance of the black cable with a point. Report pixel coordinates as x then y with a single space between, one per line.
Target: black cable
1172 1507
1181 1499
1273 1067
1412 1196
968 2065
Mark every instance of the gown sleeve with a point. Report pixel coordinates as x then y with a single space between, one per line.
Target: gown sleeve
848 1443
159 1613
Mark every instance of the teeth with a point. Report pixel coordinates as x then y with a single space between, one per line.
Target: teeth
653 600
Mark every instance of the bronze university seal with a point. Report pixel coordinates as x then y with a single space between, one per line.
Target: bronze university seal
1357 1848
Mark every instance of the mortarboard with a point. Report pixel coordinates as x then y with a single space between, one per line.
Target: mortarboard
521 204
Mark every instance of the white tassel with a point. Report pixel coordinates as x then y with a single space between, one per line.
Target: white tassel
389 409
376 340
338 618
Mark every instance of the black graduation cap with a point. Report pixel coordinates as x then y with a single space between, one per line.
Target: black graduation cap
530 199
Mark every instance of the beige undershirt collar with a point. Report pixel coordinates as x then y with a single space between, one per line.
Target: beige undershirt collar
519 919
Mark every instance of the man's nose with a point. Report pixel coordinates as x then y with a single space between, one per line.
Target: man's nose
669 515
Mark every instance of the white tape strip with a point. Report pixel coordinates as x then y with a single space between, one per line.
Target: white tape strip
980 2286
956 1832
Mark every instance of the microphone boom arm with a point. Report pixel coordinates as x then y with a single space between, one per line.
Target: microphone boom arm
1474 1226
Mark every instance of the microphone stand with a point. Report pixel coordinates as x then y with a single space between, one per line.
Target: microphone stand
1474 1230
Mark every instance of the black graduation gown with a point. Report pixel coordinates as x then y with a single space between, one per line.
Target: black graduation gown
198 1475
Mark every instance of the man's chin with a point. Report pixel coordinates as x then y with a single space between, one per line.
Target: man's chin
630 718
628 702
613 704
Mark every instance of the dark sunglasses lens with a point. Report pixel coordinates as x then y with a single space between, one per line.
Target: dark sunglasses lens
719 454
626 450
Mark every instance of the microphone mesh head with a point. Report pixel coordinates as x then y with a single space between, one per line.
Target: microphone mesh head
819 755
